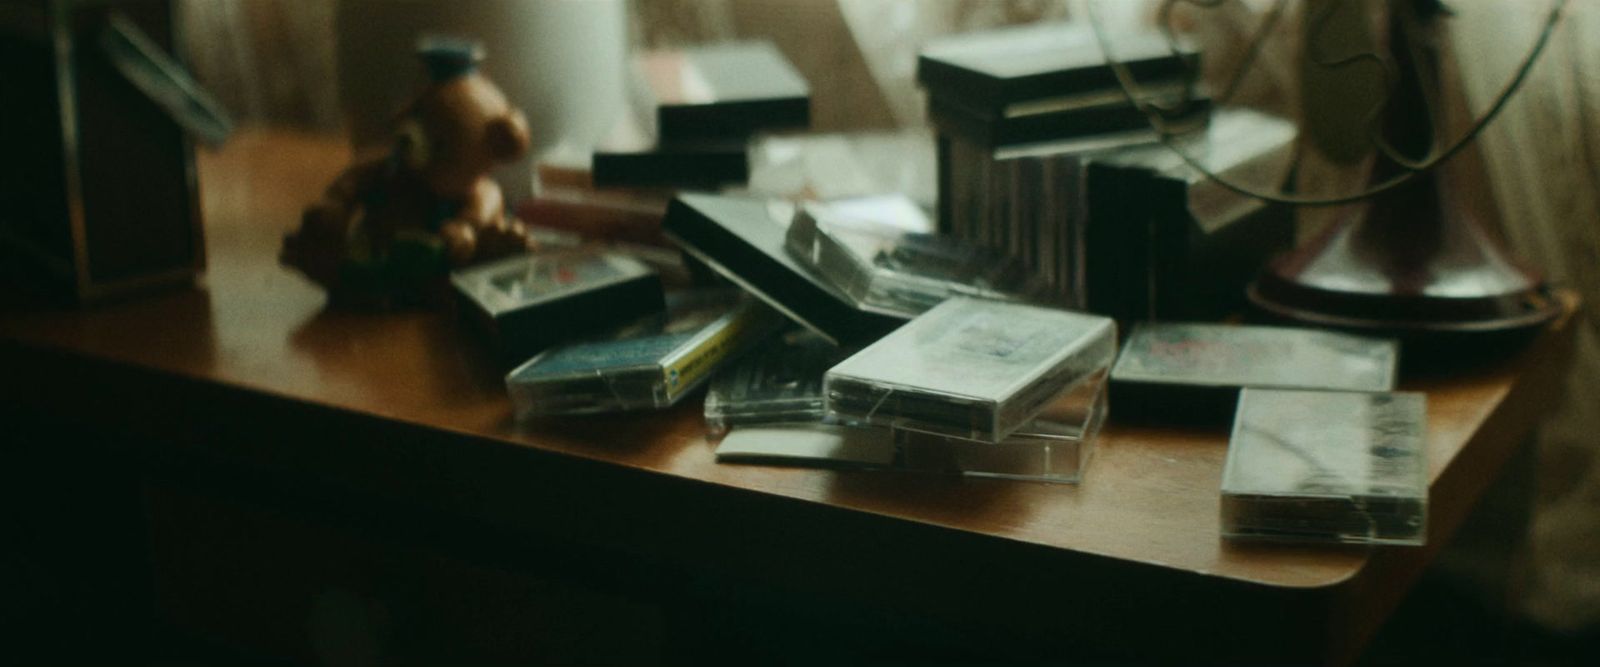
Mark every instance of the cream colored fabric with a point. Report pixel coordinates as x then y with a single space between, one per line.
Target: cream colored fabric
1543 159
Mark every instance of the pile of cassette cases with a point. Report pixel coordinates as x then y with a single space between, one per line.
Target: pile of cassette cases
774 406
873 292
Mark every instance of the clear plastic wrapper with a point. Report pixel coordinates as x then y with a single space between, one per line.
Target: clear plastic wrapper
648 368
889 270
971 368
1325 466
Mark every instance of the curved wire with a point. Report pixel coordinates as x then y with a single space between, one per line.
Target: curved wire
1268 23
1130 86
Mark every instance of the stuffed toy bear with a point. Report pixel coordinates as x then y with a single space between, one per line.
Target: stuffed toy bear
389 229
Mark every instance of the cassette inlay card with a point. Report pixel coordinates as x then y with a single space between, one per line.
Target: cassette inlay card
640 371
1327 466
971 368
808 444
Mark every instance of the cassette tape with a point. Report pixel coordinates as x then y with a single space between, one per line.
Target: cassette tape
641 370
529 302
1327 466
885 269
779 382
971 368
1193 372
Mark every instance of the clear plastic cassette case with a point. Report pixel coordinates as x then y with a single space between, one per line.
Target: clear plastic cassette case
971 368
588 291
779 382
1055 449
893 271
648 368
742 239
1326 466
1255 356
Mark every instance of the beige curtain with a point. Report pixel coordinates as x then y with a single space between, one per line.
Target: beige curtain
1543 159
267 61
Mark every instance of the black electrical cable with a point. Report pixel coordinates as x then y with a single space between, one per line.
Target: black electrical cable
1413 169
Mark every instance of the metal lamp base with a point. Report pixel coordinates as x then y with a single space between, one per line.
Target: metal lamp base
1411 262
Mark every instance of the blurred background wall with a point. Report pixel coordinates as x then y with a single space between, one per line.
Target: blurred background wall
268 61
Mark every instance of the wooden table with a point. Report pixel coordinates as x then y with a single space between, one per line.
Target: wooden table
251 374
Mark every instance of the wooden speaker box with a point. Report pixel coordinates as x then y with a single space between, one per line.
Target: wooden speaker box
97 178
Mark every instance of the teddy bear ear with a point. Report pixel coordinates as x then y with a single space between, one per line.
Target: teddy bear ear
508 136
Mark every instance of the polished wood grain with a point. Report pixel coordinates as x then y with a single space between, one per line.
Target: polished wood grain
256 334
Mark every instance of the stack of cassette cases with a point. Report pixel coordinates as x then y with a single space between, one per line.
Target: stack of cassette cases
743 238
697 109
1053 81
779 382
728 90
887 270
971 368
1193 372
1320 466
645 369
586 290
1053 119
1166 242
1120 225
1029 201
1052 448
632 163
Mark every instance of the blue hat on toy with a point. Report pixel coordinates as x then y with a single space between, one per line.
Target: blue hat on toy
449 57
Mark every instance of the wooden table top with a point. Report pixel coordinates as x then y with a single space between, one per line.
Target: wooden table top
1150 496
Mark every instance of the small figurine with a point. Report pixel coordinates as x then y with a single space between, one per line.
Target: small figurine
390 228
